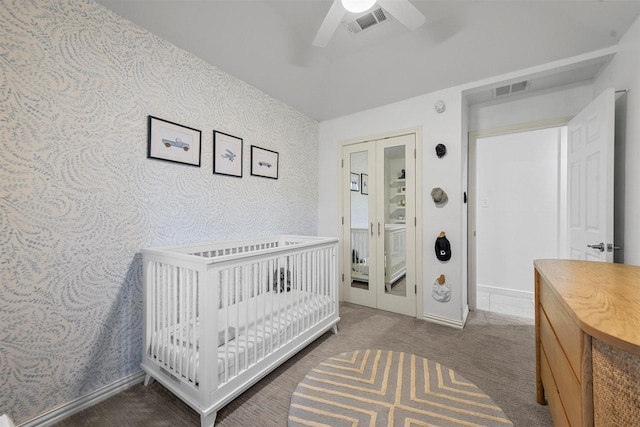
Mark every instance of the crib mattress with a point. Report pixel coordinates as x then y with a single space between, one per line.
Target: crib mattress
254 328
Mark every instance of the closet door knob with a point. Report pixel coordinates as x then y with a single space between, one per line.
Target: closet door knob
599 246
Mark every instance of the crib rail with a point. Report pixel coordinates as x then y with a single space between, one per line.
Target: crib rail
214 313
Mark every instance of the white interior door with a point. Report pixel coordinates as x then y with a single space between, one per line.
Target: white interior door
590 170
359 221
396 207
379 237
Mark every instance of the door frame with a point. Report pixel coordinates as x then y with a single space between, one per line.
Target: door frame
471 190
419 274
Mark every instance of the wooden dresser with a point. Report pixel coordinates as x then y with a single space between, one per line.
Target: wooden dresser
588 342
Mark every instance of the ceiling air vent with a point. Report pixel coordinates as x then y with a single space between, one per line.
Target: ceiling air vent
367 21
512 88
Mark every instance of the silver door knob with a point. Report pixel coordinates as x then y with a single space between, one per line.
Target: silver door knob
599 246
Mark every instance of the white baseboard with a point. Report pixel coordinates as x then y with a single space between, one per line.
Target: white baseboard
504 291
84 402
5 421
459 324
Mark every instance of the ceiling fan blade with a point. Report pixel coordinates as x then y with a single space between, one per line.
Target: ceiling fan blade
330 24
404 12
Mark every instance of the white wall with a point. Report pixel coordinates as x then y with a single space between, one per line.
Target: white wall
444 173
623 73
561 102
517 204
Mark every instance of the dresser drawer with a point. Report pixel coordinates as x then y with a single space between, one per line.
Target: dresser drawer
553 396
564 327
564 379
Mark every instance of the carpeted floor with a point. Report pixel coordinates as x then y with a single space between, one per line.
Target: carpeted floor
495 352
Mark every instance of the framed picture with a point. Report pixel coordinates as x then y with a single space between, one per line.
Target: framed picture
264 162
227 154
355 182
364 188
173 142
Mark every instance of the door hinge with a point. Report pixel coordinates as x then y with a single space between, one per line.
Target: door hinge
343 277
415 156
342 163
416 289
342 220
415 221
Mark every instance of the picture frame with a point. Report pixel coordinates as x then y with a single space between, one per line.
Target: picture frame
264 163
355 182
173 142
364 184
227 154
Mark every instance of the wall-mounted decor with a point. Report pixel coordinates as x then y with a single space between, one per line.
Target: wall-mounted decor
441 291
439 196
355 182
364 189
443 247
227 154
264 162
173 142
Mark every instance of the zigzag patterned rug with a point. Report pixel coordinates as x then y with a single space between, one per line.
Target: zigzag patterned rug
387 388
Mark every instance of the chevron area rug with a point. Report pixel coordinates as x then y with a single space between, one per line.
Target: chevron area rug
386 388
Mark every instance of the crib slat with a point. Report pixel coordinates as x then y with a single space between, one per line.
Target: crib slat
186 366
244 282
196 326
181 349
165 316
263 302
236 290
225 301
154 310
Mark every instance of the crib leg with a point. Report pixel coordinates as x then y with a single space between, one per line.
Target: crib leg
208 420
148 379
334 328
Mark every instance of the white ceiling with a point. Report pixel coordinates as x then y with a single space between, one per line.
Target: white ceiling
267 43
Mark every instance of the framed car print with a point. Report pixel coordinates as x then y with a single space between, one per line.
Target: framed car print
264 162
173 142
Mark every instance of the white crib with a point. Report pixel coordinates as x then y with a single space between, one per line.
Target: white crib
221 316
395 259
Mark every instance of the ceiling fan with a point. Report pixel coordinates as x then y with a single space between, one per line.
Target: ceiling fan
402 10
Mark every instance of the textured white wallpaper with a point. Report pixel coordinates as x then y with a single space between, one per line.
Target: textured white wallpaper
79 198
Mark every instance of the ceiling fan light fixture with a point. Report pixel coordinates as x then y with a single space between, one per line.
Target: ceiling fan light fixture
358 6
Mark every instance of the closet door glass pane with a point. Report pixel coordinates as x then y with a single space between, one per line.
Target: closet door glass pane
394 235
360 224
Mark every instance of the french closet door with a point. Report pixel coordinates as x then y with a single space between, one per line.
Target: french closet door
379 224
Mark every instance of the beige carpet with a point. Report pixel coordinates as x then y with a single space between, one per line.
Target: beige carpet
387 388
494 351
